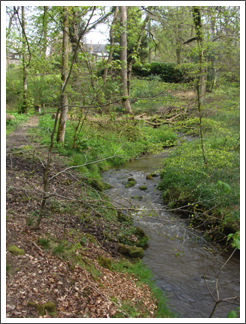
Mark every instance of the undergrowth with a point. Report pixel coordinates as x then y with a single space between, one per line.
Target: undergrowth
212 190
100 142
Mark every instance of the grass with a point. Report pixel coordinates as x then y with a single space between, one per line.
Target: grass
101 142
213 188
12 124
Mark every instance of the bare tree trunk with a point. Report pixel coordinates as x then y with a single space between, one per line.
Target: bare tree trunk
45 29
130 58
63 101
105 74
123 58
202 74
149 30
24 99
201 86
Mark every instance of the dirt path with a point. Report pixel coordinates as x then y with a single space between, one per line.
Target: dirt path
19 136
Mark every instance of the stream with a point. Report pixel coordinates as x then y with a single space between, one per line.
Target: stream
181 261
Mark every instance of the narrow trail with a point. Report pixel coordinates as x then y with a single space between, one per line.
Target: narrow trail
19 136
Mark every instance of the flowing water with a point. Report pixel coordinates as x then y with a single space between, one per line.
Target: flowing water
182 263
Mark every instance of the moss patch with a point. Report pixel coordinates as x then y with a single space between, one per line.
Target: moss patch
132 251
104 262
49 306
131 182
143 188
149 177
15 250
142 237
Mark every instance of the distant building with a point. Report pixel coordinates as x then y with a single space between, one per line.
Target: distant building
12 58
97 50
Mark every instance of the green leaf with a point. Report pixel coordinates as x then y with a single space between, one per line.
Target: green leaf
232 314
225 187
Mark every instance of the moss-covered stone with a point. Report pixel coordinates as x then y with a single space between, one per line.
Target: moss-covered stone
49 306
149 177
137 260
15 250
104 262
131 179
126 264
132 251
142 237
143 188
39 307
130 184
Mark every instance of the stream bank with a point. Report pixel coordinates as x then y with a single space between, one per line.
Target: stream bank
184 265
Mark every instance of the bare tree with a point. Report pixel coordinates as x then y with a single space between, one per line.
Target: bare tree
123 58
63 102
24 102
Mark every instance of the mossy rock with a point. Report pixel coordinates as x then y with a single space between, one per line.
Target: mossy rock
49 306
91 238
142 237
104 262
143 188
15 250
131 179
130 183
126 264
124 218
132 251
137 260
149 177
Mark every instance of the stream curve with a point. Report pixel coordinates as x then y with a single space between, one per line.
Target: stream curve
183 265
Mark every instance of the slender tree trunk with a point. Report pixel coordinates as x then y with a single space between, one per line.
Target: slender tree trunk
63 101
24 99
105 74
149 30
200 82
202 75
130 58
45 29
123 58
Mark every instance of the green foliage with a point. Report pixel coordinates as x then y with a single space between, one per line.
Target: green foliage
235 239
134 141
233 314
168 72
213 187
45 242
19 118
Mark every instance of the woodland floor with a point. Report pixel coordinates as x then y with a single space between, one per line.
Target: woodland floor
39 276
